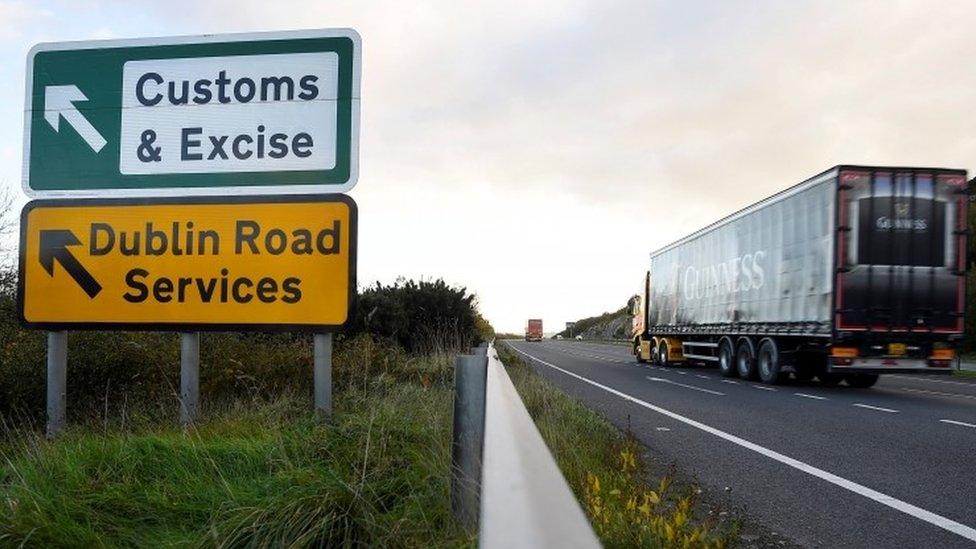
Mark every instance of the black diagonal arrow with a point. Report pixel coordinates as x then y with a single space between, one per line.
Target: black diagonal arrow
54 246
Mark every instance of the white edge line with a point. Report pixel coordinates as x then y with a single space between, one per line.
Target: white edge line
884 499
954 422
878 408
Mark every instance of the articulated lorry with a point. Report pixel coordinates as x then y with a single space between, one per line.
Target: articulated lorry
533 330
853 273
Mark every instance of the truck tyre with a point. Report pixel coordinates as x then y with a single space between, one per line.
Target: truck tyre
726 358
637 351
745 359
662 354
828 379
768 363
861 381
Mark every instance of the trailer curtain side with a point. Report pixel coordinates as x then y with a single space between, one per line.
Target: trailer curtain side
766 268
854 249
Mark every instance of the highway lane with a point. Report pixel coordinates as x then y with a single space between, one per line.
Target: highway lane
881 467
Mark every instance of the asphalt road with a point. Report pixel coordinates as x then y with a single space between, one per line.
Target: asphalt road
890 466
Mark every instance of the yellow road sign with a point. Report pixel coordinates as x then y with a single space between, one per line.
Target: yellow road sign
204 263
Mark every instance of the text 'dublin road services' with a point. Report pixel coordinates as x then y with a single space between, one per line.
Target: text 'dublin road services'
262 113
262 263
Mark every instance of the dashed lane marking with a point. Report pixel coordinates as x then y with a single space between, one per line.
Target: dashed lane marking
878 408
804 395
961 423
764 388
668 381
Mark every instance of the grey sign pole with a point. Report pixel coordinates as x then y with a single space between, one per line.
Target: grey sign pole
322 364
57 381
470 373
189 377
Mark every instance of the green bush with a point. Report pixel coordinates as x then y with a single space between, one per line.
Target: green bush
422 316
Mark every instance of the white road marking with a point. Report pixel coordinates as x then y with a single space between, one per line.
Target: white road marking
878 408
954 422
733 382
884 499
764 388
701 376
940 393
709 391
663 429
680 372
804 395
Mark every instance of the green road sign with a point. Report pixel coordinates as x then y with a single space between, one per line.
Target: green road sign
216 114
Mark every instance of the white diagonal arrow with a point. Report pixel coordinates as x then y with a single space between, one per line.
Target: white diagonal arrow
59 101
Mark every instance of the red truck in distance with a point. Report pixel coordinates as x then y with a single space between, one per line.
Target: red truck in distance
533 330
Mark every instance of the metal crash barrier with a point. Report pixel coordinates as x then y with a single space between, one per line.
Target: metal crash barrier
523 500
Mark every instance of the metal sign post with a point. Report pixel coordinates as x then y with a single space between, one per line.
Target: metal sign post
189 377
322 359
57 381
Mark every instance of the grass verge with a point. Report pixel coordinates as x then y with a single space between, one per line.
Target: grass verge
607 472
257 472
964 373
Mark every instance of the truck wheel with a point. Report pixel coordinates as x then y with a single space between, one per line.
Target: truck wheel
662 355
726 359
770 369
637 352
745 359
830 380
861 381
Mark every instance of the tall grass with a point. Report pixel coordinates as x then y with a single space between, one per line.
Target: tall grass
259 471
607 473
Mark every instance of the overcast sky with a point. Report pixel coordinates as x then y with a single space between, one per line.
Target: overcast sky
536 152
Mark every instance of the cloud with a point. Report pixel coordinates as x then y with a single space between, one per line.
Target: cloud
16 15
